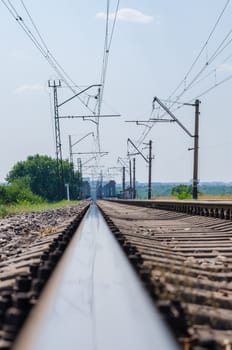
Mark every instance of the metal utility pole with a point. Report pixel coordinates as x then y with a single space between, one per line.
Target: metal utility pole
68 194
79 168
123 163
75 143
130 177
70 149
149 161
195 137
149 169
123 182
59 163
134 189
60 175
101 183
196 148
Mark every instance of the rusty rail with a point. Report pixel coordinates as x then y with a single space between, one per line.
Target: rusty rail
214 209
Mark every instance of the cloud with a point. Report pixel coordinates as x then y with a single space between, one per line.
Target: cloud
128 15
225 67
29 89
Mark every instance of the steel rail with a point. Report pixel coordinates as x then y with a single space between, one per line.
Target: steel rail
188 264
212 208
94 300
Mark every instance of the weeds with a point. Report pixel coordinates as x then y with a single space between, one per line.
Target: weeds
26 206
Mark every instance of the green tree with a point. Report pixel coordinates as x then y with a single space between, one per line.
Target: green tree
18 192
182 191
40 173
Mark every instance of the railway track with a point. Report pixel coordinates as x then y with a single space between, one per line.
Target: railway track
185 262
29 254
94 299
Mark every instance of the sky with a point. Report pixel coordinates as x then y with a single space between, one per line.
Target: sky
154 45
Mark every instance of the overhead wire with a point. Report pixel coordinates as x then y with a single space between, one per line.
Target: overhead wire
206 65
213 71
107 45
103 72
39 42
203 47
106 50
213 87
42 47
219 50
46 47
209 89
195 80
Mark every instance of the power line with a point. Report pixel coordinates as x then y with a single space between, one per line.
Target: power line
205 92
220 48
41 46
210 60
202 49
46 47
213 71
148 128
214 86
107 46
106 51
216 53
114 23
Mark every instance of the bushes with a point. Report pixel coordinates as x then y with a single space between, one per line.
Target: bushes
40 173
3 210
18 192
182 191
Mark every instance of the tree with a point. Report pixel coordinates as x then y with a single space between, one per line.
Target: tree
18 192
40 172
182 191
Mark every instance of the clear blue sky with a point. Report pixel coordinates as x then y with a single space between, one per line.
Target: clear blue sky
154 45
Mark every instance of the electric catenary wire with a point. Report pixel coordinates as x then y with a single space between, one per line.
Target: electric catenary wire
224 43
202 49
42 47
107 45
46 47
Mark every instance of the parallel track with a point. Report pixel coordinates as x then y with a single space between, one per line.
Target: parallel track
186 264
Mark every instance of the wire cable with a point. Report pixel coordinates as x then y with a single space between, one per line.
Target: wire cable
202 49
107 46
42 48
213 87
210 60
46 47
213 71
195 80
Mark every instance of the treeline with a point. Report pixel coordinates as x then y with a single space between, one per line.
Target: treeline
216 189
158 189
168 189
35 180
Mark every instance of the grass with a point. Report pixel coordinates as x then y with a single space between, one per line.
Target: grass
202 197
27 207
225 197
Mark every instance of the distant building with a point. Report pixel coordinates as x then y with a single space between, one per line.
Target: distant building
109 189
86 190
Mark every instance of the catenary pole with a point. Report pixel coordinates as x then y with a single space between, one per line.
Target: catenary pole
134 189
123 182
130 178
149 169
196 149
